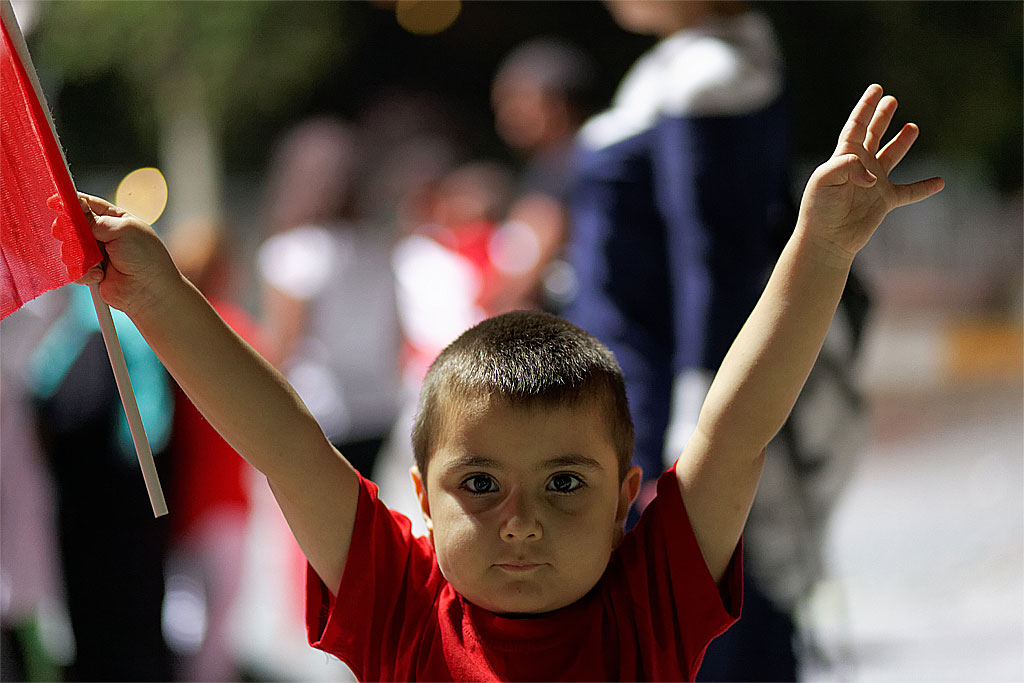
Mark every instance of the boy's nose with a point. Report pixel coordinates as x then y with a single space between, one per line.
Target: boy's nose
521 522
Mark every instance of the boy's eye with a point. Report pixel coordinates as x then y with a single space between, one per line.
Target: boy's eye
564 482
480 483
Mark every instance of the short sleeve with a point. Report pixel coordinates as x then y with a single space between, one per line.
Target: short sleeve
387 593
678 607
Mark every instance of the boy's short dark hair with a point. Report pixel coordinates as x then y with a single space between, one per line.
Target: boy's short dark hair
527 359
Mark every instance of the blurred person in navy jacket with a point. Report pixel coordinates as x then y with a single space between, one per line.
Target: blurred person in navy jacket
670 260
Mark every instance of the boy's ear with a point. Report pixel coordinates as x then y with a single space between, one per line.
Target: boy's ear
627 492
421 494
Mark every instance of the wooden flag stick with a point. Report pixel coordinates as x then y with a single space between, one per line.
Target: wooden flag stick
131 406
113 344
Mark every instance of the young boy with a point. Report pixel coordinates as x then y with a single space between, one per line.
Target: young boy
522 445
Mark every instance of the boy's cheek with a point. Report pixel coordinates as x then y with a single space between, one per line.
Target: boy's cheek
460 555
453 510
576 506
456 534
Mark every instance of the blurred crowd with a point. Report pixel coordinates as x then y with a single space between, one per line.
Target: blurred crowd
383 237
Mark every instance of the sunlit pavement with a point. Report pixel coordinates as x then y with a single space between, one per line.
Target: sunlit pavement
926 549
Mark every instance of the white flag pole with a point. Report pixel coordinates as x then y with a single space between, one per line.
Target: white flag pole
131 406
113 344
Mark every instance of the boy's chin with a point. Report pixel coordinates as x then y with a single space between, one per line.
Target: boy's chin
519 609
526 612
524 607
525 615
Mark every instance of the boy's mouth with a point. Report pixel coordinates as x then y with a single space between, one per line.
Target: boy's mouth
518 566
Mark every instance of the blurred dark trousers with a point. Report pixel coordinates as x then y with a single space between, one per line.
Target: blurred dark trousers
758 647
112 549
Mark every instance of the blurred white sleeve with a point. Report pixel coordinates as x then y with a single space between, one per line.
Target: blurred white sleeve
688 393
297 262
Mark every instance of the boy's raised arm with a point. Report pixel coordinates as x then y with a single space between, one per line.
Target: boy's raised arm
765 369
241 394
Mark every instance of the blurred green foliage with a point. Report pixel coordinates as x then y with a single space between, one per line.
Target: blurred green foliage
248 60
955 66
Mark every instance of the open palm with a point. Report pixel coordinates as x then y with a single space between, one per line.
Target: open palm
848 196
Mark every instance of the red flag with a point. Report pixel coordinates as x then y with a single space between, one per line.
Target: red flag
45 241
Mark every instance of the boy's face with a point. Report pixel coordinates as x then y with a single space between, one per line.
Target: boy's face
524 504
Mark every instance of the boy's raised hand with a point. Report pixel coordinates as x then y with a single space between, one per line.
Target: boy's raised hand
847 197
137 266
764 371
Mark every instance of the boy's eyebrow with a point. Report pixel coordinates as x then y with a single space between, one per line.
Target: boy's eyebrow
469 461
568 460
572 460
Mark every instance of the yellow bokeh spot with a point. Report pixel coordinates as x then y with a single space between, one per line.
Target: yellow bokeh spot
143 192
427 17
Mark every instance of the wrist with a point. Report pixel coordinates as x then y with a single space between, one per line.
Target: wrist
812 244
163 298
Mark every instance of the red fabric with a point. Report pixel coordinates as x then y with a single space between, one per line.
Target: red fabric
45 241
649 618
470 242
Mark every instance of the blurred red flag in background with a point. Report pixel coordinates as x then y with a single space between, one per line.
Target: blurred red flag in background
45 241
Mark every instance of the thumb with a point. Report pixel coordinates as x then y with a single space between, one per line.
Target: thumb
846 168
98 206
92 276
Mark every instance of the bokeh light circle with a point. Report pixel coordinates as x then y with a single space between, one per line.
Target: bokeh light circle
427 17
143 192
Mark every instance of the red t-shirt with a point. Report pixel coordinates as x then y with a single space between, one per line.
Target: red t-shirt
650 617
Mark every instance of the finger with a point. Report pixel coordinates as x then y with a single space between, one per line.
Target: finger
857 125
898 147
105 228
92 276
915 192
847 168
879 123
84 203
98 206
101 215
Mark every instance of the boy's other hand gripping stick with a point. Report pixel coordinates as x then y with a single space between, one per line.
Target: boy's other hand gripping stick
131 407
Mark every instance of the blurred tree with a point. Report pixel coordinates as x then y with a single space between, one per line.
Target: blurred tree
955 66
192 69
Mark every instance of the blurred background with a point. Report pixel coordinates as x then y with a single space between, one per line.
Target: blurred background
245 120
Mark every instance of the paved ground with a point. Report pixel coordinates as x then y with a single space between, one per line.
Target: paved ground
926 547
